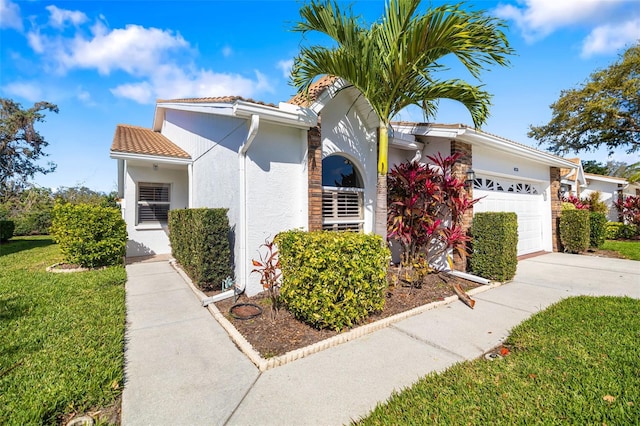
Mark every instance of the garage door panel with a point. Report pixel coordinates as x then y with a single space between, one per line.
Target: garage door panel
527 206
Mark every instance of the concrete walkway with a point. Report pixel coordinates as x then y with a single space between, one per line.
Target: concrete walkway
183 369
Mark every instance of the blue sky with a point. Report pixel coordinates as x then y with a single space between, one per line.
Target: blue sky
106 62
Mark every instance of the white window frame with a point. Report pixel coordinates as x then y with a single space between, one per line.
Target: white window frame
337 221
140 202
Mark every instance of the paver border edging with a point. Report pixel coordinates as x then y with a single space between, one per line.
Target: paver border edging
265 364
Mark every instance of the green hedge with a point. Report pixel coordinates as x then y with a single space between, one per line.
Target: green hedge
575 230
597 226
35 222
90 236
495 245
200 243
332 279
6 230
620 231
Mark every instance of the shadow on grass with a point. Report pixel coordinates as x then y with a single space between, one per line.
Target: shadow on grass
18 245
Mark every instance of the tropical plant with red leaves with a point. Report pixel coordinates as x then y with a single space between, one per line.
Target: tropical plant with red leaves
577 202
269 269
629 208
426 206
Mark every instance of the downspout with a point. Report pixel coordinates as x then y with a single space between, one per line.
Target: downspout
241 232
241 281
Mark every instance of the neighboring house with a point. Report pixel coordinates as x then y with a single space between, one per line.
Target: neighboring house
611 189
311 164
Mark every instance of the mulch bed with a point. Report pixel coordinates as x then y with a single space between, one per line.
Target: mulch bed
277 336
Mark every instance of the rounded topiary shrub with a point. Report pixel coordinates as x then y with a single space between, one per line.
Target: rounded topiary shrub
91 236
332 279
598 229
575 230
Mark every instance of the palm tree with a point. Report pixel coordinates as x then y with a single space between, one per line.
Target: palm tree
392 62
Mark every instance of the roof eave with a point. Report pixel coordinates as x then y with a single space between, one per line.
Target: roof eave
287 114
121 155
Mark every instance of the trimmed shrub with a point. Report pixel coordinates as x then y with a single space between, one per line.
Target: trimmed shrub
332 279
568 206
90 236
200 243
621 231
574 230
495 245
597 227
6 230
34 222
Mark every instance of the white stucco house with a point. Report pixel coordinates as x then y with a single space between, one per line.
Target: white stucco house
611 189
308 163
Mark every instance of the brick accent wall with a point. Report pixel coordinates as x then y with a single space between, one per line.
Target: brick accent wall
556 207
314 171
460 169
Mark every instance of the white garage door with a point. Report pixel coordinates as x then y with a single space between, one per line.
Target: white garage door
523 198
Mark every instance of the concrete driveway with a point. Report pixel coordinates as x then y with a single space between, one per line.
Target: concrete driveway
183 369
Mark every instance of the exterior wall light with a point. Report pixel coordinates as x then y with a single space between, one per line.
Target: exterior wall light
471 176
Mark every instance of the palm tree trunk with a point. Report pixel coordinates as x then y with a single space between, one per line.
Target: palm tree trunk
381 186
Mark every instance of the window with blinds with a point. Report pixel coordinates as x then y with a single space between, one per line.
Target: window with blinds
342 209
153 202
342 195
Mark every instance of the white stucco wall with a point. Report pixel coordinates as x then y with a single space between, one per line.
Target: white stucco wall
145 239
277 189
344 132
607 192
275 173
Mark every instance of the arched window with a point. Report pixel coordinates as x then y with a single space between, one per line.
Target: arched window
342 195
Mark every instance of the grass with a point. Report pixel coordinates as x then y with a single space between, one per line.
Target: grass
574 363
61 335
629 249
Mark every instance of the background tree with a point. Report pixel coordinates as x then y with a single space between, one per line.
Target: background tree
595 167
21 146
605 111
393 62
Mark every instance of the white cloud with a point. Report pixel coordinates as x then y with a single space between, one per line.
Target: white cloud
58 18
155 63
227 51
29 91
539 18
139 92
170 82
285 66
607 39
10 15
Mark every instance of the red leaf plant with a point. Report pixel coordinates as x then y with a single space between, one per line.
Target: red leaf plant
425 209
629 208
580 204
269 269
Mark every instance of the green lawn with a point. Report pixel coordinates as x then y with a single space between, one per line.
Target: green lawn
629 249
61 335
577 362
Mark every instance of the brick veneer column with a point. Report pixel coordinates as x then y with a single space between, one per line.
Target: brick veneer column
460 169
314 171
556 207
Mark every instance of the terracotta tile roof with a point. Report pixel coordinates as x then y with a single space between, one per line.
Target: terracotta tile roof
314 91
218 99
140 140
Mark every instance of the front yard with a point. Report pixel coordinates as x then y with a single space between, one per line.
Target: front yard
629 249
574 363
61 336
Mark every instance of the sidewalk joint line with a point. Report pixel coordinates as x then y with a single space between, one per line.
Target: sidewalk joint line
243 398
426 342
